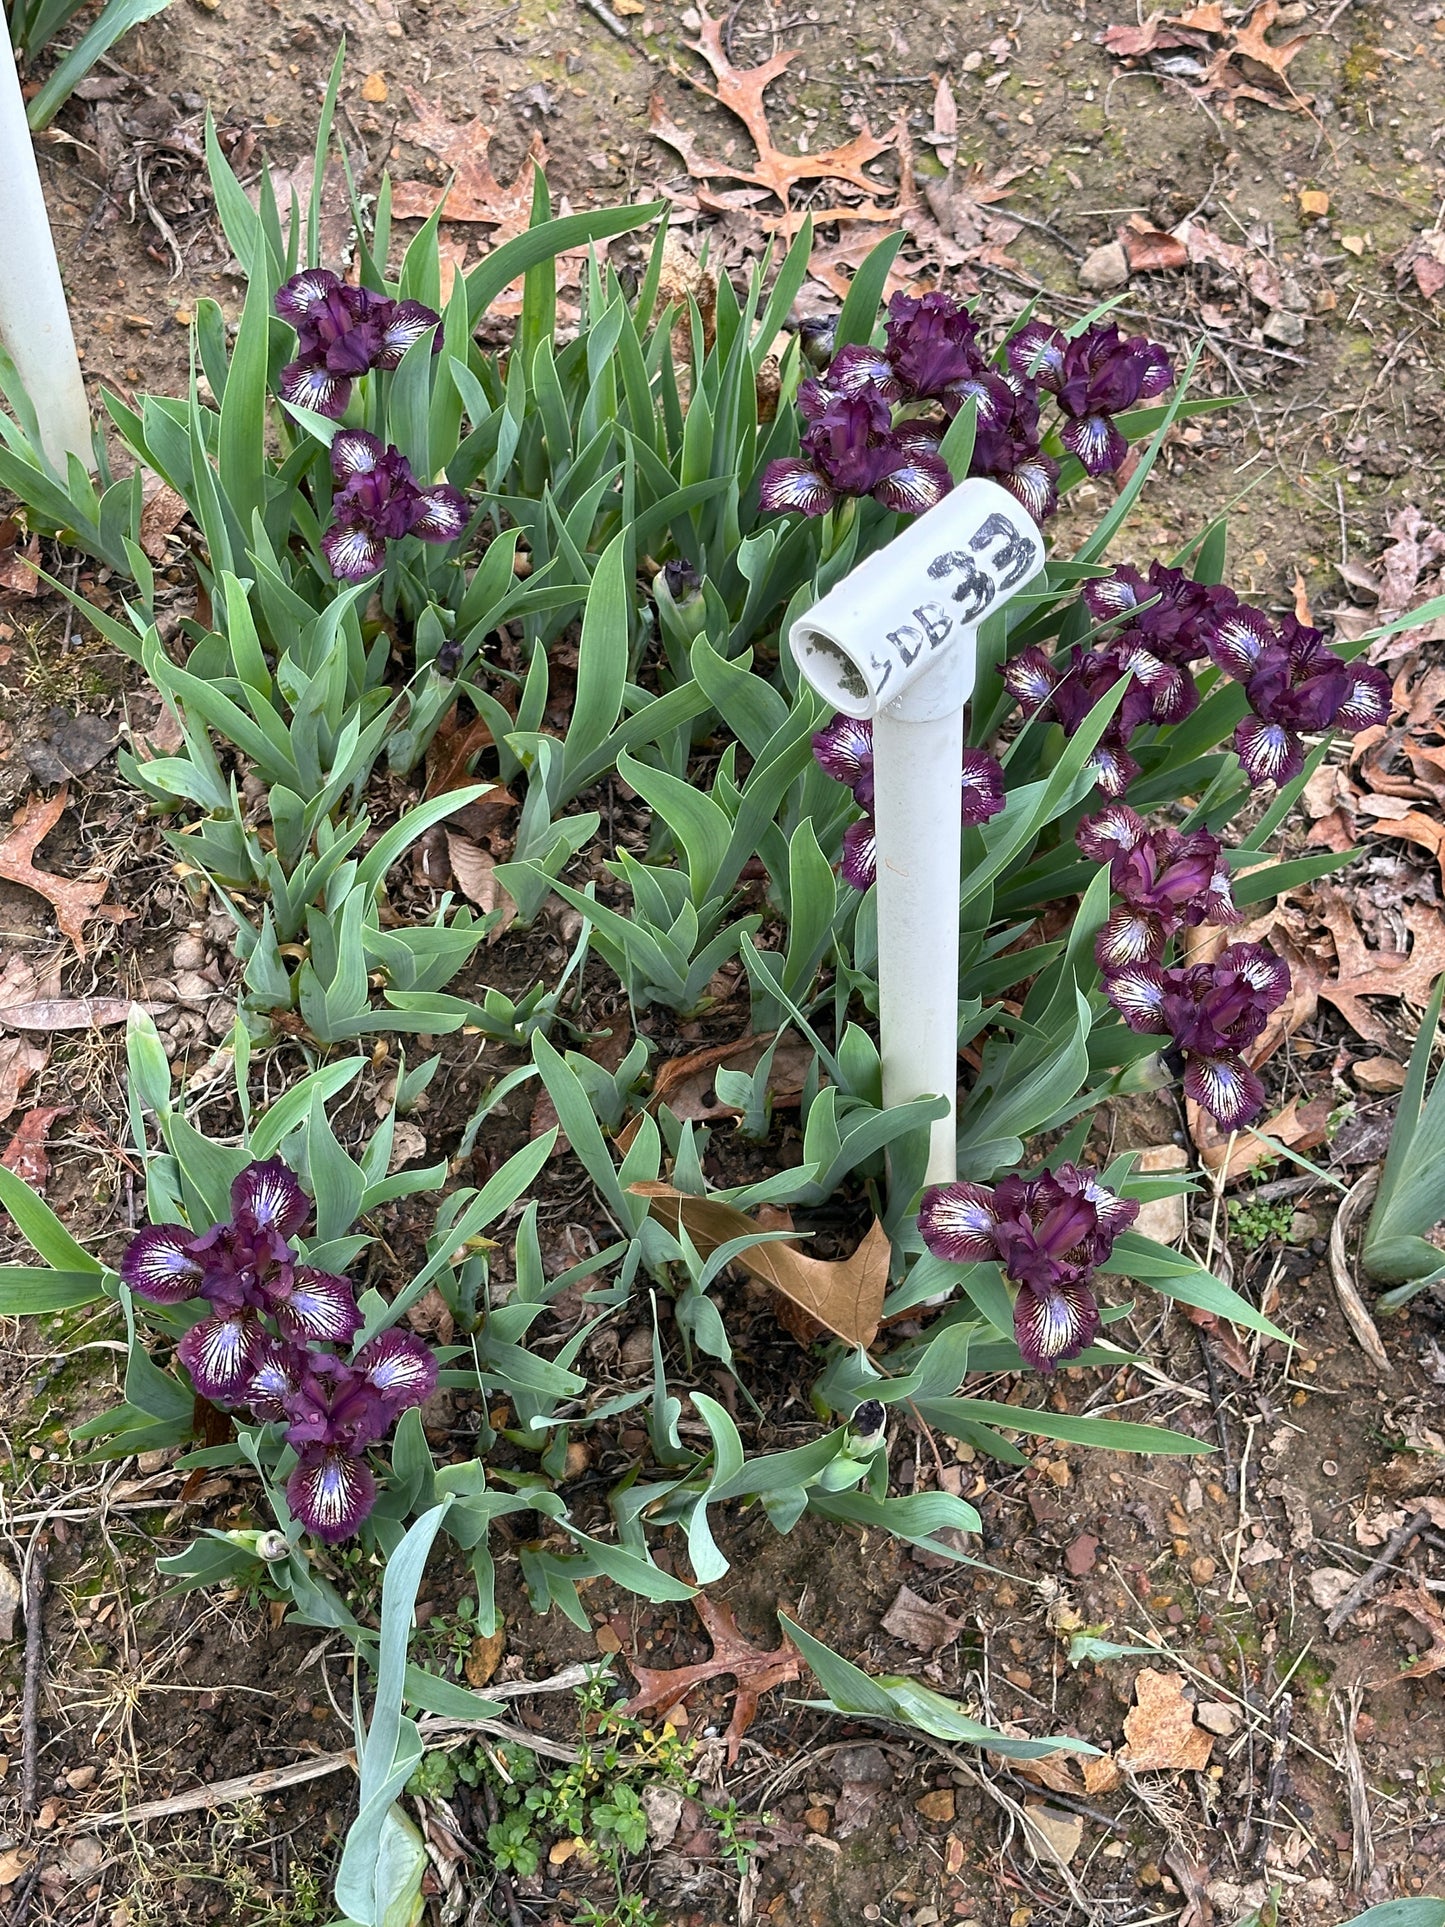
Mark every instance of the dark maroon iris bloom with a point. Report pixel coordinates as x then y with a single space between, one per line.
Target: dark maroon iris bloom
932 347
844 751
1040 687
1168 879
1095 375
336 1411
1295 685
379 502
1007 444
849 449
1048 1233
343 332
260 1345
1213 1012
1170 614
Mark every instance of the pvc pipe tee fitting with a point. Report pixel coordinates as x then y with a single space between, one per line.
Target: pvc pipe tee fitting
896 640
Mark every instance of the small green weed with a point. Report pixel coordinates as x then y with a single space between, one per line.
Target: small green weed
1258 1221
596 1802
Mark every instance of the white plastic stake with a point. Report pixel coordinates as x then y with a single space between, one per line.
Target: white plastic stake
896 641
34 320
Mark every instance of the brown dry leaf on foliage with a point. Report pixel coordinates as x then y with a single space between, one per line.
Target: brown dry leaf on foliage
159 519
741 90
1148 249
1252 270
685 1084
1298 1127
1228 1338
919 1622
72 898
1423 258
843 1295
1159 1730
67 1013
945 123
1244 42
26 1154
1425 1610
1058 1772
1413 827
18 564
20 1062
474 871
753 1669
1379 973
475 193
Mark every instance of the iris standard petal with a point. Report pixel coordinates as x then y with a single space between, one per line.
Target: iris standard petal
269 1196
915 486
353 553
354 452
860 854
220 1354
296 298
309 383
794 484
1054 1323
442 513
1270 752
1096 441
319 1306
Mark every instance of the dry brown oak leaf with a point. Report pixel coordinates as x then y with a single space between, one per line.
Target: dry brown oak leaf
475 193
741 90
1160 1731
74 899
845 1296
753 1671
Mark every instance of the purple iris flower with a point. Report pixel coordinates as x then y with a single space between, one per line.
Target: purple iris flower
845 751
932 347
1041 687
379 502
849 449
1167 879
335 1411
1048 1233
1212 1012
1007 444
262 1343
1173 617
1297 685
1095 376
343 332
246 1270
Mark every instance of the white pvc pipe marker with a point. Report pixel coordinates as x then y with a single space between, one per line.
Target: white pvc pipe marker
34 320
896 641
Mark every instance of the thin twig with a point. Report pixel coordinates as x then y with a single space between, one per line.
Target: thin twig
500 1876
36 1560
600 11
1371 1577
1221 1424
1274 1785
1362 1838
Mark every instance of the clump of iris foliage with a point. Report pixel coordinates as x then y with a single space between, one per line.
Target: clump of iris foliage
374 494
